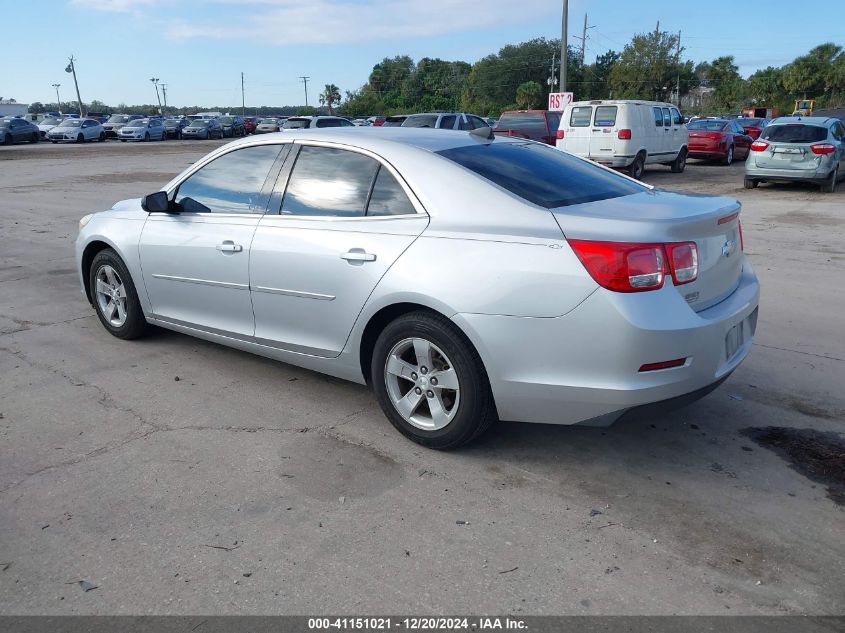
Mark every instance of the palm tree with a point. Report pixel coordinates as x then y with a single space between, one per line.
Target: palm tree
329 96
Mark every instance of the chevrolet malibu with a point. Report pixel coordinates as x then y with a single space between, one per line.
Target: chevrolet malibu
465 278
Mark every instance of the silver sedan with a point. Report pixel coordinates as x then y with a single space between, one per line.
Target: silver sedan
466 278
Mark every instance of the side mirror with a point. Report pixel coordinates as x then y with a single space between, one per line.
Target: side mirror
156 202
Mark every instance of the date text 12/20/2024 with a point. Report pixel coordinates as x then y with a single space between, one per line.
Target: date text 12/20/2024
416 624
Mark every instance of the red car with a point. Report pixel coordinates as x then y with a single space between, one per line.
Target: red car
250 123
537 125
753 126
718 139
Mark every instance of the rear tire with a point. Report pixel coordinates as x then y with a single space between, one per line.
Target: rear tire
637 168
469 407
133 324
35 138
102 138
729 157
679 164
146 137
750 183
830 185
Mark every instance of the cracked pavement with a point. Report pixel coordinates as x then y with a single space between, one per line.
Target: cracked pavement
250 486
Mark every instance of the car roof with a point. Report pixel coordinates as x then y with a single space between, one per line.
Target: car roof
377 139
810 120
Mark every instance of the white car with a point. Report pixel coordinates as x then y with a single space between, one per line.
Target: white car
309 122
78 131
48 123
625 134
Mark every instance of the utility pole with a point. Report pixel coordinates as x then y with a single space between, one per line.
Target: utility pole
305 81
678 63
155 83
58 100
552 74
584 40
71 68
563 51
243 98
164 94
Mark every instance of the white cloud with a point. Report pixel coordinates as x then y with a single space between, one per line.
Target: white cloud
284 22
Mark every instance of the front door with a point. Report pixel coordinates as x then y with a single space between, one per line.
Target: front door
344 218
196 262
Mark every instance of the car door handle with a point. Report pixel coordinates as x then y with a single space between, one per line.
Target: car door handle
358 255
229 247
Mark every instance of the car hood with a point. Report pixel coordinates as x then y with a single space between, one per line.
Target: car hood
130 128
46 127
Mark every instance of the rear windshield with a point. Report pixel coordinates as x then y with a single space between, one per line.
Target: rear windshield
541 174
521 121
605 116
707 124
580 116
118 118
750 122
421 120
795 133
199 123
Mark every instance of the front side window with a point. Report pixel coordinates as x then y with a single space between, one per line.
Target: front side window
231 183
329 182
677 119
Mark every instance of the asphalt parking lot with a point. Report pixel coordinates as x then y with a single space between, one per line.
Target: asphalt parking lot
181 477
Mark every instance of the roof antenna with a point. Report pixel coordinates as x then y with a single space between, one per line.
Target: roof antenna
483 132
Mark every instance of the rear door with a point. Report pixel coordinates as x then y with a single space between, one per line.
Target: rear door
344 218
603 132
656 141
577 124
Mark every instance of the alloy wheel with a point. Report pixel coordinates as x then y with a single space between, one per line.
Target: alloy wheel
111 295
422 384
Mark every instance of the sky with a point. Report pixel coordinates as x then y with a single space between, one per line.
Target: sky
199 48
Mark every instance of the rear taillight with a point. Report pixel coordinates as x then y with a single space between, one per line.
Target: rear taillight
713 135
823 148
759 146
635 267
559 135
623 266
624 135
683 261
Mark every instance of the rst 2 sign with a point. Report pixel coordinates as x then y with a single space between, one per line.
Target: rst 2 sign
559 100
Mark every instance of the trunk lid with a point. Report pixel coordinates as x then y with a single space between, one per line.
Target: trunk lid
662 216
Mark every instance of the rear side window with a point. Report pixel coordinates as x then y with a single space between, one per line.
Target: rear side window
794 133
421 120
606 116
541 174
328 122
388 197
521 121
293 124
447 122
580 116
329 182
231 183
658 117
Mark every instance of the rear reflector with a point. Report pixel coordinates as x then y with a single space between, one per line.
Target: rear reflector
759 146
560 134
624 135
728 218
666 364
823 148
683 260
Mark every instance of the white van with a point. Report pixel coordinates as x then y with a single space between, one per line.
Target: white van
625 134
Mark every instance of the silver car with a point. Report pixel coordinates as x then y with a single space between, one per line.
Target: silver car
151 129
77 131
798 149
466 278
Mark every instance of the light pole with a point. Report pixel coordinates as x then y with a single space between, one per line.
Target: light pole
164 94
71 68
58 100
305 81
158 97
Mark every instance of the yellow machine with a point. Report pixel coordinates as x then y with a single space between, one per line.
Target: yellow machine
804 107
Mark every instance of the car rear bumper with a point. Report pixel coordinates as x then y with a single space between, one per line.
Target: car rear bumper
817 176
583 367
707 153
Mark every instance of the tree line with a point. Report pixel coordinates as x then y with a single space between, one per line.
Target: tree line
651 66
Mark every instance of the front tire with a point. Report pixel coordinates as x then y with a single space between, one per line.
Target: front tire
430 381
80 139
114 296
34 138
146 137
